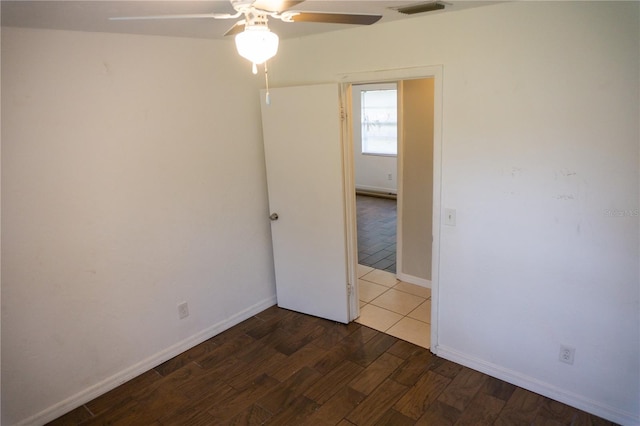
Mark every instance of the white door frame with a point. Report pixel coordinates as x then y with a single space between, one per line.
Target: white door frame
393 75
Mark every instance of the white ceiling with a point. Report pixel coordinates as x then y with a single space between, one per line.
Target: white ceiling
94 15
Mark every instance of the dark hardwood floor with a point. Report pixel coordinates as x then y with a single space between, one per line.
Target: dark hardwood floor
284 368
376 218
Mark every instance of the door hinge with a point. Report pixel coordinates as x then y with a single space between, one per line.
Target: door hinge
342 114
349 289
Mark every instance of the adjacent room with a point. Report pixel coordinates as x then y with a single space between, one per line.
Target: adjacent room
392 138
137 220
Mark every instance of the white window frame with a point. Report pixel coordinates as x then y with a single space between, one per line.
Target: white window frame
359 89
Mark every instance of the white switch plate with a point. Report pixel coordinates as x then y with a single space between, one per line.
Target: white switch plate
450 217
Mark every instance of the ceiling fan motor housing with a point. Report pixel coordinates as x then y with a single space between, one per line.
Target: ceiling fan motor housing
243 6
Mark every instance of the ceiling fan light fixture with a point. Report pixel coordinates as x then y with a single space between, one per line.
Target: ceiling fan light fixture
257 44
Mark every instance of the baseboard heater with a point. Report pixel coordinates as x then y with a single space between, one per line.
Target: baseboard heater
378 194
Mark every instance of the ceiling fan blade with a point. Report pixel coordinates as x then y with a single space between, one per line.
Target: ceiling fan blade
420 8
185 16
334 18
237 28
275 5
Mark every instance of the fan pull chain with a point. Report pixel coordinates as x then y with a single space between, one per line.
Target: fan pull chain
266 81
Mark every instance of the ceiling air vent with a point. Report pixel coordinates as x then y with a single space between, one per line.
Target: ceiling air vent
420 8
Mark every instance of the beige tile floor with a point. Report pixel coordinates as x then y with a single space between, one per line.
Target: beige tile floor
394 307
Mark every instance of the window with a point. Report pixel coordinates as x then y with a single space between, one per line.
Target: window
379 119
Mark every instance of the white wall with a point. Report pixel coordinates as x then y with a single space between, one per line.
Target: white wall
132 179
540 140
371 171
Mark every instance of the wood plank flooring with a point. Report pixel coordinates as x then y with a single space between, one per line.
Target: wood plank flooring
284 368
376 219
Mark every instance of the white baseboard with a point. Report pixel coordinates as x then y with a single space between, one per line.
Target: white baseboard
534 385
135 370
413 280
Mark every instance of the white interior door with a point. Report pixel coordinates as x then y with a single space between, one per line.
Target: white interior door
304 158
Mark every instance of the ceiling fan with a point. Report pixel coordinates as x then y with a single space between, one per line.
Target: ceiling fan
254 41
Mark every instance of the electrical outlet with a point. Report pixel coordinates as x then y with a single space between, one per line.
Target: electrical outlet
389 176
567 354
183 310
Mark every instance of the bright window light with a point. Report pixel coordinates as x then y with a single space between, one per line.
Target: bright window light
379 119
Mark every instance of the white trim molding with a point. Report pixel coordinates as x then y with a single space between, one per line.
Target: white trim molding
413 280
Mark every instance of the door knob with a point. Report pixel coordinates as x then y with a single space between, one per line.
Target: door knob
274 216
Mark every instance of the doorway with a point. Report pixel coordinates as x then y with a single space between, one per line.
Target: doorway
331 152
374 117
397 302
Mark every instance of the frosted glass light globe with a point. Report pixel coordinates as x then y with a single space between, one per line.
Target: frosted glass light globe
257 44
